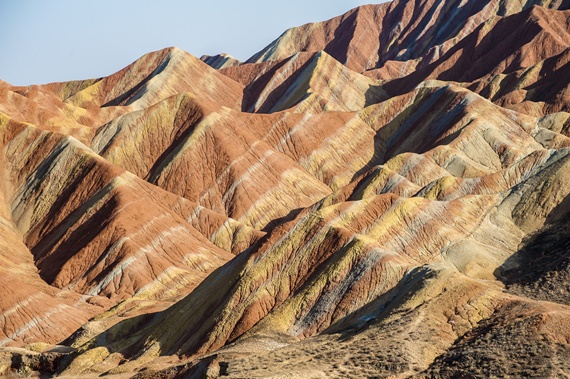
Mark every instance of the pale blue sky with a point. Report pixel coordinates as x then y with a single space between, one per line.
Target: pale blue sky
58 40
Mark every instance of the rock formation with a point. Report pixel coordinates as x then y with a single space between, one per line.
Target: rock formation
383 194
220 61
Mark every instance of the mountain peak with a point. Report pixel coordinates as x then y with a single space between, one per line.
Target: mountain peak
220 61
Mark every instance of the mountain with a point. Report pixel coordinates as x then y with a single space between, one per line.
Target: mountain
368 37
220 61
383 194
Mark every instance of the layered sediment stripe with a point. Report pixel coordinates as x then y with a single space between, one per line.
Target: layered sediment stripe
157 76
326 85
286 139
278 79
154 247
167 285
246 176
335 161
191 141
38 322
21 304
289 190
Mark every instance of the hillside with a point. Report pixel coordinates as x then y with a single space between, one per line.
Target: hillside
385 194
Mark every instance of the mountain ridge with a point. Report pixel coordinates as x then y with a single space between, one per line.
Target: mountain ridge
382 194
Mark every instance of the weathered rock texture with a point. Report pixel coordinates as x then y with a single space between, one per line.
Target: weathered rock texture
383 194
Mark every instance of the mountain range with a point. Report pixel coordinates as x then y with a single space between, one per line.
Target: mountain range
384 194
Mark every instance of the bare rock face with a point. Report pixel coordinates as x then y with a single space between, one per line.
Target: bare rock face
383 194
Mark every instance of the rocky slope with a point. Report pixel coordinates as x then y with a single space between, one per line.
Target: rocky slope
383 194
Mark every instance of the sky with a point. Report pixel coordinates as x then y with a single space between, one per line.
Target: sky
59 40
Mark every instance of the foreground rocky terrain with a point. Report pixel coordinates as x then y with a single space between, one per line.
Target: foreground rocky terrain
384 194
